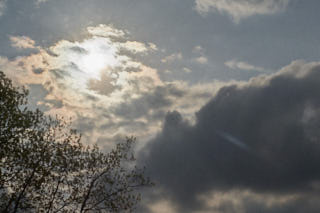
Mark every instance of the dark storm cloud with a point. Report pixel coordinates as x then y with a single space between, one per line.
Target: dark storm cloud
254 136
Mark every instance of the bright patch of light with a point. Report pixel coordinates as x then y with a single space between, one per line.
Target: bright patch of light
101 60
93 63
86 60
100 55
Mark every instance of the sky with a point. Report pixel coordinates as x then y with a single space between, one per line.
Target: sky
222 95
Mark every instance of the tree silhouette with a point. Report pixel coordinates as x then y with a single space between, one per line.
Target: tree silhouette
44 167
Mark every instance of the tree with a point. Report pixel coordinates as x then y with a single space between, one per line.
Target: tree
44 167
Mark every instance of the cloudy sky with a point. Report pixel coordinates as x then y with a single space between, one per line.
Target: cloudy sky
222 95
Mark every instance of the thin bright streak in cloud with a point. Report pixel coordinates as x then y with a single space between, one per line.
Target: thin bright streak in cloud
235 141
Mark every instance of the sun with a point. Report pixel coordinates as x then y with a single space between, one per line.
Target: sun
88 60
94 62
100 54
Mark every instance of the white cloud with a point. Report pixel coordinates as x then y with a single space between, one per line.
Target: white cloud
22 42
240 9
241 65
171 58
153 46
201 60
103 30
135 46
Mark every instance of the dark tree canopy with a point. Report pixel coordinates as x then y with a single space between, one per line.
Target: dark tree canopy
44 167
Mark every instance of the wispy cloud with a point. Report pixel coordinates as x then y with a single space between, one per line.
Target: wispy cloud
242 65
37 2
171 58
240 9
201 58
2 6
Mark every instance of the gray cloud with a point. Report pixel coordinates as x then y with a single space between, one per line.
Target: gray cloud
269 116
79 50
40 1
2 6
239 9
244 201
150 103
103 86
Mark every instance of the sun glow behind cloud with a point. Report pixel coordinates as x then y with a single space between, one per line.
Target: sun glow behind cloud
68 68
101 59
86 60
102 83
100 54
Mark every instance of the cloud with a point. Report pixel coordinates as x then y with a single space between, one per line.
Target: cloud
201 60
22 42
153 46
105 85
150 102
162 206
79 50
187 70
106 31
271 117
2 6
241 65
241 9
245 201
87 77
38 2
135 47
198 49
41 1
101 83
171 58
